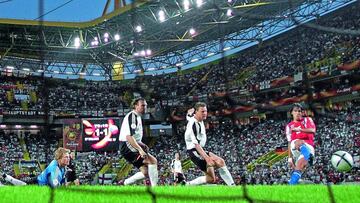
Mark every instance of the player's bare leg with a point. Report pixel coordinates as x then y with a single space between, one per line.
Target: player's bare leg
210 175
223 170
301 164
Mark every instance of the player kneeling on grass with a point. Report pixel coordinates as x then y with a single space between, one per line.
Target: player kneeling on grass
300 135
132 148
195 139
54 173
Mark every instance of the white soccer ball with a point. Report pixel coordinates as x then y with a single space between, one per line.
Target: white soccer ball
342 161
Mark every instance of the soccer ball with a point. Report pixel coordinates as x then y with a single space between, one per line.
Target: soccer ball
342 161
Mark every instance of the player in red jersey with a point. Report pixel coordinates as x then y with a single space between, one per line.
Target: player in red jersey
300 135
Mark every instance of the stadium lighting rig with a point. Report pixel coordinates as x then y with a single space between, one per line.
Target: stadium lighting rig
192 31
95 42
161 16
77 42
148 52
186 5
143 53
105 39
229 12
138 28
116 37
179 64
199 3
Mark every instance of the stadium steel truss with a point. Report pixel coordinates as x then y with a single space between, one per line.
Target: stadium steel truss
92 48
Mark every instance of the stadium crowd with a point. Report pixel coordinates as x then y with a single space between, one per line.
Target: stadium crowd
10 152
244 144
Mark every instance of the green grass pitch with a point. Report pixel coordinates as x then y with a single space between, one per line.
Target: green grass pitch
201 194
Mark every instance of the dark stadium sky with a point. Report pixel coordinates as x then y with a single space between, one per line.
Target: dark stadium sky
64 10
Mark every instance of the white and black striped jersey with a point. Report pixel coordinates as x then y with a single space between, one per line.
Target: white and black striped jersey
195 133
176 166
131 125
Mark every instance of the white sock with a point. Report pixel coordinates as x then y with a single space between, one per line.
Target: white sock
197 181
226 176
153 174
136 177
14 181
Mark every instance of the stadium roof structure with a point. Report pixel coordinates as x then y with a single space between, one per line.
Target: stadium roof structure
149 35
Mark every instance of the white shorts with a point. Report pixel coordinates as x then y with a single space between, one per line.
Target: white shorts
297 154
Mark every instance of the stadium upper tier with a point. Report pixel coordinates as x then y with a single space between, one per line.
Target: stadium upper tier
150 35
273 74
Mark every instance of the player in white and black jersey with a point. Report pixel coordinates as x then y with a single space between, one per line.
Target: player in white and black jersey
195 139
132 148
176 168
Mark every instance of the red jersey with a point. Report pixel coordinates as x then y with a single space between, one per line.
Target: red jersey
306 122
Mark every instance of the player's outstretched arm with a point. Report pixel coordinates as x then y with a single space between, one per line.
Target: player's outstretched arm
190 113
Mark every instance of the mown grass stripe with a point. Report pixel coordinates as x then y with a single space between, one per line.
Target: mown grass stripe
181 194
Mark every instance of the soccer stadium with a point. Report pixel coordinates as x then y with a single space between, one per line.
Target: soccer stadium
180 101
